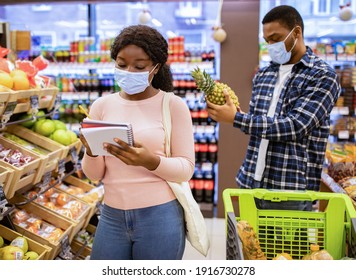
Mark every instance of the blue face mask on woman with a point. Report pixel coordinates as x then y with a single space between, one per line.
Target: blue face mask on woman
278 52
132 82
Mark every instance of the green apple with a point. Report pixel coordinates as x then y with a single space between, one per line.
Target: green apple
73 136
60 125
61 136
31 255
46 127
11 253
40 114
20 242
1 241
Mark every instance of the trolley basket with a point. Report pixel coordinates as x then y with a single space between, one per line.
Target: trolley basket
291 231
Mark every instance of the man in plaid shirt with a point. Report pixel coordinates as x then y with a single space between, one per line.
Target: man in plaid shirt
289 115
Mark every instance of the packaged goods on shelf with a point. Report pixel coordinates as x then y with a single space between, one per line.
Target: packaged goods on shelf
57 227
84 191
28 167
62 204
42 250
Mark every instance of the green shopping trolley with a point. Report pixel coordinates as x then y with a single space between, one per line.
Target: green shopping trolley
291 231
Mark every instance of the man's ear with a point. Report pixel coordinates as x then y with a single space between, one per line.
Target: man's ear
298 32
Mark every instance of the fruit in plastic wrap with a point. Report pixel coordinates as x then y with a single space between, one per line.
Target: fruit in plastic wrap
20 242
214 91
11 253
250 243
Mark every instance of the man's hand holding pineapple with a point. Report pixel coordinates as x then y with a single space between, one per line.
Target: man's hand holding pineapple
222 103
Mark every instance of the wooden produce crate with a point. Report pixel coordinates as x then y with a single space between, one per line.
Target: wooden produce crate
43 251
47 97
78 247
45 142
22 97
51 218
71 180
30 173
78 222
55 150
4 96
6 176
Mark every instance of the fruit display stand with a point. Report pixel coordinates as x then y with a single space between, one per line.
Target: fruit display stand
43 251
289 231
6 176
29 173
79 248
52 218
46 142
86 187
42 98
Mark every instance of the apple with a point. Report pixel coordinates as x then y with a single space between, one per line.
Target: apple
11 253
6 80
20 242
61 136
60 125
1 241
46 127
30 255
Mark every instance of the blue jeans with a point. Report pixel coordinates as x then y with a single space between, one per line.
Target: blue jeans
151 233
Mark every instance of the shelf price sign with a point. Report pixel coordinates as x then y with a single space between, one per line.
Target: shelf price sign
344 134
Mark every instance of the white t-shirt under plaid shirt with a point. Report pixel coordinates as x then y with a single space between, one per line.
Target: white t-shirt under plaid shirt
298 132
284 71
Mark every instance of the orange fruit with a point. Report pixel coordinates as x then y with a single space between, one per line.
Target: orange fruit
50 205
49 192
62 199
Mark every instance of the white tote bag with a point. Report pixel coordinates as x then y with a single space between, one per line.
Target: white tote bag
196 232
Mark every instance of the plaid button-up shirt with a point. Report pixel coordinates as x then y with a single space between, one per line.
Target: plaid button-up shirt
299 130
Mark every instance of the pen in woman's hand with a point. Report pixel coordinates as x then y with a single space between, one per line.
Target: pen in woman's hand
84 111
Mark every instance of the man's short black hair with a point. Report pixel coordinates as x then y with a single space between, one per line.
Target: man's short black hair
286 16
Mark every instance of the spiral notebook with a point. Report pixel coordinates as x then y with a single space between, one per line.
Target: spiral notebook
97 132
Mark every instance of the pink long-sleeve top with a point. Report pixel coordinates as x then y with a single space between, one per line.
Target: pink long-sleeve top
131 187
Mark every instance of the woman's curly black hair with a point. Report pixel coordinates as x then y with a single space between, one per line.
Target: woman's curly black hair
154 45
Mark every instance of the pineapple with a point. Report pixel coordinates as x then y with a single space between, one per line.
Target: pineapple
214 91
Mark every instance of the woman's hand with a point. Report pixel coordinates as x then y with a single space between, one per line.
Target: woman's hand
85 144
138 155
223 113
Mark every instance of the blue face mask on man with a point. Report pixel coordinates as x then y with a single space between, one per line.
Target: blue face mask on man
278 51
132 82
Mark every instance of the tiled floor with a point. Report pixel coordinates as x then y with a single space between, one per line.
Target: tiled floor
217 232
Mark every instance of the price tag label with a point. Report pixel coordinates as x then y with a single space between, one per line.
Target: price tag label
34 101
57 102
344 134
344 111
61 166
8 111
74 154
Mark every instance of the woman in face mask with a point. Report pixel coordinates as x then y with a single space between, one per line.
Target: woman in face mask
141 218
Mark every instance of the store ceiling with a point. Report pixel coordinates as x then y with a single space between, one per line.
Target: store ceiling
15 2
